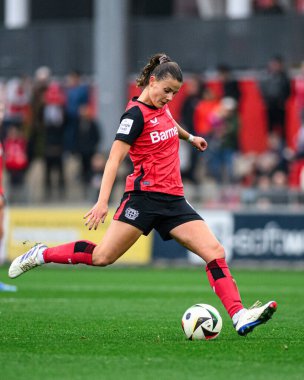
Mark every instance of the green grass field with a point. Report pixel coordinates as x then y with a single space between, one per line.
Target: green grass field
93 323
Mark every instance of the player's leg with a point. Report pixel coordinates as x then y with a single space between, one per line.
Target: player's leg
118 238
198 238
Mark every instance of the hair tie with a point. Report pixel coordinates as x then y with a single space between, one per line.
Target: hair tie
163 59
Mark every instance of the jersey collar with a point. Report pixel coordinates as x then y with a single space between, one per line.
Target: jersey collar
135 99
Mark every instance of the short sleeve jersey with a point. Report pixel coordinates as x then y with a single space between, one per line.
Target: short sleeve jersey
154 152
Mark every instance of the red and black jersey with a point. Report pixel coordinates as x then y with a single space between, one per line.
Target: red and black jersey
153 136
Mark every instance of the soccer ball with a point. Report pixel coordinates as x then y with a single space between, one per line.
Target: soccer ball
202 322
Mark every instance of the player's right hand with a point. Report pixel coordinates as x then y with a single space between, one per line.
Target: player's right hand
97 214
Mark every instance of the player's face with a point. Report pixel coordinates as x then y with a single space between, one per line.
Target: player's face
163 91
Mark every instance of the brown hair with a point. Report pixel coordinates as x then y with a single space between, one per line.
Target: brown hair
161 66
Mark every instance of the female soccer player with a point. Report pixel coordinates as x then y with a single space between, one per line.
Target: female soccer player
153 198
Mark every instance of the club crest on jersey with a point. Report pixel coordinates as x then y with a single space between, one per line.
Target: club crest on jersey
154 121
165 135
131 214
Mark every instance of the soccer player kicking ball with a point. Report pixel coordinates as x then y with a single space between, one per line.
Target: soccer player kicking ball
153 198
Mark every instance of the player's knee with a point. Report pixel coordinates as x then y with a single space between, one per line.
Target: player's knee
101 259
213 252
219 252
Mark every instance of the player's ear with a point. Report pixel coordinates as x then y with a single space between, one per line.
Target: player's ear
152 80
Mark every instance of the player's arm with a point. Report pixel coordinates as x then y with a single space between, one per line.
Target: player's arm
117 154
99 211
197 141
130 128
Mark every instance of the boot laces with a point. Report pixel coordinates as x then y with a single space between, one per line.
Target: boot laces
256 304
29 264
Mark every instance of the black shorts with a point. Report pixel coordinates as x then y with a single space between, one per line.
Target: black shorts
148 210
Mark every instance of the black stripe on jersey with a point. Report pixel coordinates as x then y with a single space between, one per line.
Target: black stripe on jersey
135 99
138 179
136 115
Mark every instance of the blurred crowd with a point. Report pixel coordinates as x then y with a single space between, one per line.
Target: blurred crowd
51 122
219 8
49 131
230 176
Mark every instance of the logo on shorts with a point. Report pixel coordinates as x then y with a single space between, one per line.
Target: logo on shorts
130 213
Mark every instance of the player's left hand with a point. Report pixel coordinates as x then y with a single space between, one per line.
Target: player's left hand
199 143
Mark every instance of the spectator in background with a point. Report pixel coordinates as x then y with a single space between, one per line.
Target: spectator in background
223 142
194 89
77 94
17 99
53 122
280 194
299 95
300 6
16 162
275 88
269 191
41 83
267 7
3 287
230 85
202 120
205 106
297 163
273 159
269 173
88 138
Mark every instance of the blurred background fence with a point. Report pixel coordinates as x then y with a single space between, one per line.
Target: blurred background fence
244 44
60 45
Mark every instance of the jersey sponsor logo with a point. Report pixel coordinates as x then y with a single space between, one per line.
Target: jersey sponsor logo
131 213
125 126
165 135
154 121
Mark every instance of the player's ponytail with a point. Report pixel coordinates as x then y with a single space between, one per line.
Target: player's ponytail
161 66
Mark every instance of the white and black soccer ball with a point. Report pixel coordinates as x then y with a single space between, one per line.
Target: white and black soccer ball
202 322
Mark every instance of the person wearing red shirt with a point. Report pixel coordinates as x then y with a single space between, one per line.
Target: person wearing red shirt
154 197
3 287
